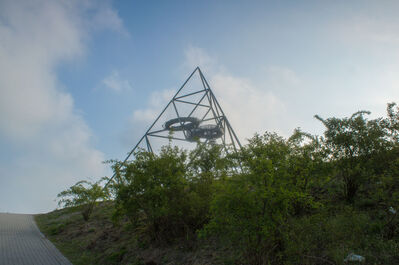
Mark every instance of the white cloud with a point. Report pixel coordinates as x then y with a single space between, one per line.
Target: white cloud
107 18
373 34
371 50
251 109
277 76
141 119
372 29
51 144
195 56
116 83
158 100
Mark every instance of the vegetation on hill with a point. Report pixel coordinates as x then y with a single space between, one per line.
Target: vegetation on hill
302 200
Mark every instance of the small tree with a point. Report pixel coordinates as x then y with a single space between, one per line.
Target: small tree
153 193
167 195
351 144
207 165
85 194
251 208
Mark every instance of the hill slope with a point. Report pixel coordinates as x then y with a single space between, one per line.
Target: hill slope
100 241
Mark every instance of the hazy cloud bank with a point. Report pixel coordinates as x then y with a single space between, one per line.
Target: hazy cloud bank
49 143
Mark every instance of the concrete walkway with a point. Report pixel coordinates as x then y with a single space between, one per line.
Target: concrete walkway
21 243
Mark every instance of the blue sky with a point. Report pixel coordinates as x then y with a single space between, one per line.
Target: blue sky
80 81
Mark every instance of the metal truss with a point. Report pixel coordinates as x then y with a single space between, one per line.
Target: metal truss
202 117
202 120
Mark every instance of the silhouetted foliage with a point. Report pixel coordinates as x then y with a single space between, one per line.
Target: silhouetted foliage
251 208
301 200
167 196
84 194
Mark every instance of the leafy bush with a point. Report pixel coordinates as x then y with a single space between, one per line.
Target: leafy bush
354 145
301 200
328 237
84 194
251 209
207 166
166 196
155 193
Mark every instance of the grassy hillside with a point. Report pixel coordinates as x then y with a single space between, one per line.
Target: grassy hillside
100 241
324 238
299 200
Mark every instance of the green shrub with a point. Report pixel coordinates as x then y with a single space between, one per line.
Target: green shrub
84 194
302 200
117 256
55 229
330 237
166 196
250 210
358 147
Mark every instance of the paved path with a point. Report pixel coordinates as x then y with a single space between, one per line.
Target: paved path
21 243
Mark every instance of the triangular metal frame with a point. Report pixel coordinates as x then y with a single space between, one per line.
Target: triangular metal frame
214 113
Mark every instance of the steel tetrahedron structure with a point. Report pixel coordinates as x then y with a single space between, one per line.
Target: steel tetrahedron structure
193 114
